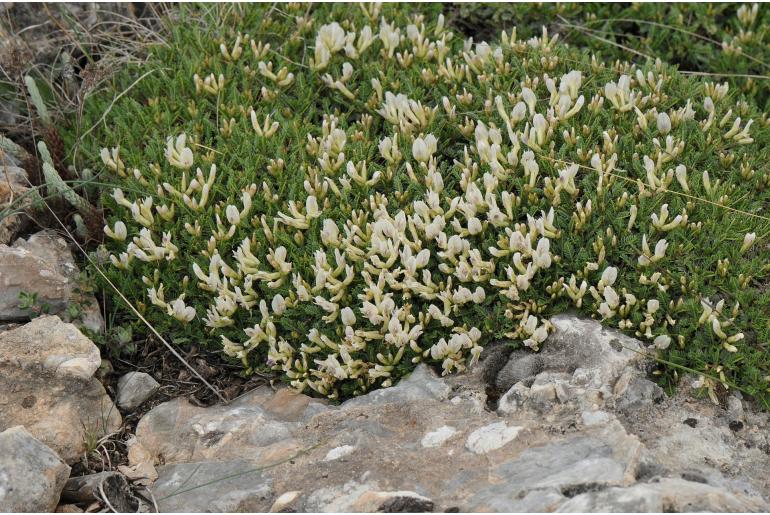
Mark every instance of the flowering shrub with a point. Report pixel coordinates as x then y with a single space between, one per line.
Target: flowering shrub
339 194
727 40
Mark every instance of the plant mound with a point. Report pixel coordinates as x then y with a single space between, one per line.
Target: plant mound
727 41
340 194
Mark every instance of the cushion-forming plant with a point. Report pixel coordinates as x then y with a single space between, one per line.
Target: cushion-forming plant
727 41
341 193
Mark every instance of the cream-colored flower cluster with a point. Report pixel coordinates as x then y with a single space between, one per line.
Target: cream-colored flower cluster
468 179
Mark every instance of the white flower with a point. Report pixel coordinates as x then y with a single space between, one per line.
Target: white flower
390 36
748 241
474 225
120 233
177 153
330 233
233 215
278 304
529 98
329 40
662 342
664 123
681 177
311 207
180 311
348 317
423 148
609 275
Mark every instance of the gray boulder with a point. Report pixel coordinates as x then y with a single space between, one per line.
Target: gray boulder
32 476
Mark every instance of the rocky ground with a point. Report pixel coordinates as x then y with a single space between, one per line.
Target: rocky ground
576 427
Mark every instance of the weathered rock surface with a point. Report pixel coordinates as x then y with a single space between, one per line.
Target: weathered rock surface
47 385
43 264
31 475
134 388
582 431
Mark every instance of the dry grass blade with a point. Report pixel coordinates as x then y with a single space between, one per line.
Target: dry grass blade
109 108
666 190
678 29
592 33
716 74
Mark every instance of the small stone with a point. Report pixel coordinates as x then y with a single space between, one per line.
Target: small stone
285 502
32 476
134 388
522 366
491 437
339 452
438 437
513 399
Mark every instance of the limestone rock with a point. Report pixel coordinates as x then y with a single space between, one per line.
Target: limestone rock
561 440
491 437
43 265
666 495
134 388
422 384
31 475
637 393
47 341
47 385
593 355
181 432
213 486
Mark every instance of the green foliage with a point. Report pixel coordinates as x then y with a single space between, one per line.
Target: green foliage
29 301
729 40
342 222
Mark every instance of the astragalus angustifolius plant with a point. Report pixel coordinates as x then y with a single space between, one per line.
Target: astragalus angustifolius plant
341 193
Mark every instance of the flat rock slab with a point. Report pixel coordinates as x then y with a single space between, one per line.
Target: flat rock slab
31 475
436 444
340 456
47 385
213 486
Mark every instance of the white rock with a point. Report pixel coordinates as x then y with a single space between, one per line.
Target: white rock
438 437
491 437
339 452
284 501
